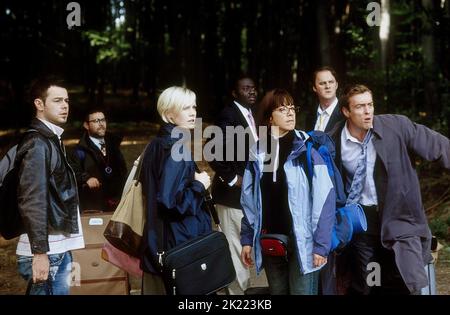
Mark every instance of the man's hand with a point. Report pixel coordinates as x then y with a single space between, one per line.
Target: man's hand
319 260
93 183
239 181
246 256
40 267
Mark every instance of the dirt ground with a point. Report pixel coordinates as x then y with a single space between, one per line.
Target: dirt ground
11 283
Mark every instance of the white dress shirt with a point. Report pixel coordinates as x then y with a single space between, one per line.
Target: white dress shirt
323 116
350 153
245 112
97 142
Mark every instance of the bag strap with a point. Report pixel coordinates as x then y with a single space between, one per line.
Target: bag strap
139 166
208 199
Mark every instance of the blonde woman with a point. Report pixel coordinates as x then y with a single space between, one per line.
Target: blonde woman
173 189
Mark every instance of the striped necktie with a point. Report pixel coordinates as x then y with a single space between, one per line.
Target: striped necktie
356 188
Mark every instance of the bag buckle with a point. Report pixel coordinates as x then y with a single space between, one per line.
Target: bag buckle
160 258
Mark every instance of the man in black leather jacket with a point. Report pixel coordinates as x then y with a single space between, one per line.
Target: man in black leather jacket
47 195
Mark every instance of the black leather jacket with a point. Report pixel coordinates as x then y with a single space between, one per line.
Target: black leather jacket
47 192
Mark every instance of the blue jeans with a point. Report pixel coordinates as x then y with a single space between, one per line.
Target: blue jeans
59 275
284 276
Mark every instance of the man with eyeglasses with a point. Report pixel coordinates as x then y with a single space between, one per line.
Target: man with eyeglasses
328 113
226 186
99 165
374 154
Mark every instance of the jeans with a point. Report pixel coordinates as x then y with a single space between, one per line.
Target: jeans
59 274
284 276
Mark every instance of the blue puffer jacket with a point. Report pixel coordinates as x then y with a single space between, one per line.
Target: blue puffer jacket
171 192
312 212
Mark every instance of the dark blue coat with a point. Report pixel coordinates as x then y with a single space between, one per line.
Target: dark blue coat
172 193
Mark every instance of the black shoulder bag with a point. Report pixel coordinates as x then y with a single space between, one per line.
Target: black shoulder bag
199 266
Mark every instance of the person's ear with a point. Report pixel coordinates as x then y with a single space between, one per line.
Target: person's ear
39 104
234 94
86 125
169 117
314 89
346 112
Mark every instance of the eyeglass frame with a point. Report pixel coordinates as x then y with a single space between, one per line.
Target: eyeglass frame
98 120
287 109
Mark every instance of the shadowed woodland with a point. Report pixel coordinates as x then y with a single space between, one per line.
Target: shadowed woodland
124 53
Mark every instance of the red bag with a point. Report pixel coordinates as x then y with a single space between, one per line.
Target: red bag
274 244
122 260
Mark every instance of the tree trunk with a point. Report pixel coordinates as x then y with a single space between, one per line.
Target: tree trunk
432 104
323 32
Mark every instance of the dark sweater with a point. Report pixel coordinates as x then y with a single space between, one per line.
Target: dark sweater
275 207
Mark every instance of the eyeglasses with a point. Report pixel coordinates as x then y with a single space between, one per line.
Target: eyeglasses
98 120
286 109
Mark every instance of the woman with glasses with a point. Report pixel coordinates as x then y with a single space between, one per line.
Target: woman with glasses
279 204
173 188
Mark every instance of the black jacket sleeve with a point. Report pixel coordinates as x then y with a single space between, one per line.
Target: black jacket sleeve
33 192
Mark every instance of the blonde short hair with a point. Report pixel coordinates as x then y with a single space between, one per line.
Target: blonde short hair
173 99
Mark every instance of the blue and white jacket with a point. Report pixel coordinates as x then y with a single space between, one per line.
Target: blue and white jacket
313 212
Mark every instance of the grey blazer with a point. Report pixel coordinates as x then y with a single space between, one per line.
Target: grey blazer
404 226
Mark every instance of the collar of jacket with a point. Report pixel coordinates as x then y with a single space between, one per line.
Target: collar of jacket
165 132
42 128
110 140
377 128
298 147
335 133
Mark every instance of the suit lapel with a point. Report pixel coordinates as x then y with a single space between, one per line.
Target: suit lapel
241 121
335 117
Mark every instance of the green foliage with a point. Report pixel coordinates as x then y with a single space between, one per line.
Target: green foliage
439 228
111 45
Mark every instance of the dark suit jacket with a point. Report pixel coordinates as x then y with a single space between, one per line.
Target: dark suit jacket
87 161
336 117
404 226
226 171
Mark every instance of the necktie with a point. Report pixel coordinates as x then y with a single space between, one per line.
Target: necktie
252 123
103 147
321 119
359 177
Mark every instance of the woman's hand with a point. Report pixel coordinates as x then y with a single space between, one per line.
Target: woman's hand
203 178
246 255
319 260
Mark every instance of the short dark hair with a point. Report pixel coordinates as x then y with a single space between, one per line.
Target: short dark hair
350 91
40 86
240 77
324 68
271 101
93 110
